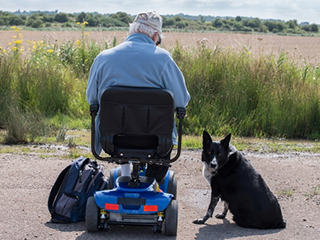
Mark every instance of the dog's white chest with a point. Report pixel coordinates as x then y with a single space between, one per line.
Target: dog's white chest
208 173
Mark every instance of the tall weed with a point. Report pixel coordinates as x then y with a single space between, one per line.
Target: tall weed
249 95
49 79
24 126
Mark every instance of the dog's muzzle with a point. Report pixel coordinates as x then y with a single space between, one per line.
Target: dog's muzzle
214 164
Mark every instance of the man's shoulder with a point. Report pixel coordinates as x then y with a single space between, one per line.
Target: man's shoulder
163 52
106 51
105 54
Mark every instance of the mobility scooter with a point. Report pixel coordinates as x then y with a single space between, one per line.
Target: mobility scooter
136 127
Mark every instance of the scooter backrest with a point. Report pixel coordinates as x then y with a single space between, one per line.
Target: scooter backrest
136 122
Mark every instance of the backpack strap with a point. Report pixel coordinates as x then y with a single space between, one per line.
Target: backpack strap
73 167
55 189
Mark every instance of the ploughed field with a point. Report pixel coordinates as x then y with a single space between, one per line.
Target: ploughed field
299 48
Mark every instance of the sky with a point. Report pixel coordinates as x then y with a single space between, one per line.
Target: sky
300 10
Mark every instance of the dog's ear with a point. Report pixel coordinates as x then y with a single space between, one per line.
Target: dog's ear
225 142
206 139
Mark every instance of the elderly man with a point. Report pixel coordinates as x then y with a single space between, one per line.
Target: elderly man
138 62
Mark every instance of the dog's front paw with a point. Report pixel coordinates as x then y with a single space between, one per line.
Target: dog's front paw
220 216
199 221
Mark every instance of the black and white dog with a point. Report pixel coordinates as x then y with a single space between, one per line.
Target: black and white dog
233 179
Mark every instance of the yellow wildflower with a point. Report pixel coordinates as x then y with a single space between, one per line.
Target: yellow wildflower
78 42
50 50
18 42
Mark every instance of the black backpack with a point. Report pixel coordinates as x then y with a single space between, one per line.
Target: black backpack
75 184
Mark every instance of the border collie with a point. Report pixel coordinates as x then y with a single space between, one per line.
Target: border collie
234 180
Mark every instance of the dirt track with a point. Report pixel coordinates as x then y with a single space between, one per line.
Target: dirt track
26 180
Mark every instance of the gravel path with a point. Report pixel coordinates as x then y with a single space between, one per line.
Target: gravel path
26 180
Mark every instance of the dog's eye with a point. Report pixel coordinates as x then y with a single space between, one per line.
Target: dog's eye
219 154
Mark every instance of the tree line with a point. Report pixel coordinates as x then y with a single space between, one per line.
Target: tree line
173 22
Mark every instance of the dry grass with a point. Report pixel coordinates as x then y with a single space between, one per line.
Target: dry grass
301 49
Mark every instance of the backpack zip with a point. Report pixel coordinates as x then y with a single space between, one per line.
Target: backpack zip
93 177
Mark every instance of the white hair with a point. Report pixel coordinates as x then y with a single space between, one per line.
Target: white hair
137 27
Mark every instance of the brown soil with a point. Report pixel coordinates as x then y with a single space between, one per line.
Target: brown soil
26 178
298 48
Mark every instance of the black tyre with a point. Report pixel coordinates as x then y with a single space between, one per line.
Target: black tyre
171 218
172 188
92 215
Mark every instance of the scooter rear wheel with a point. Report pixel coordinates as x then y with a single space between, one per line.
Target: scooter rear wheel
173 187
171 218
92 215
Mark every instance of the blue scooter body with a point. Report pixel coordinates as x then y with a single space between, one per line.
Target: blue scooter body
148 198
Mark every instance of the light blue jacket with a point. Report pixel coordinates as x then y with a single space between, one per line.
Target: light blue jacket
137 62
